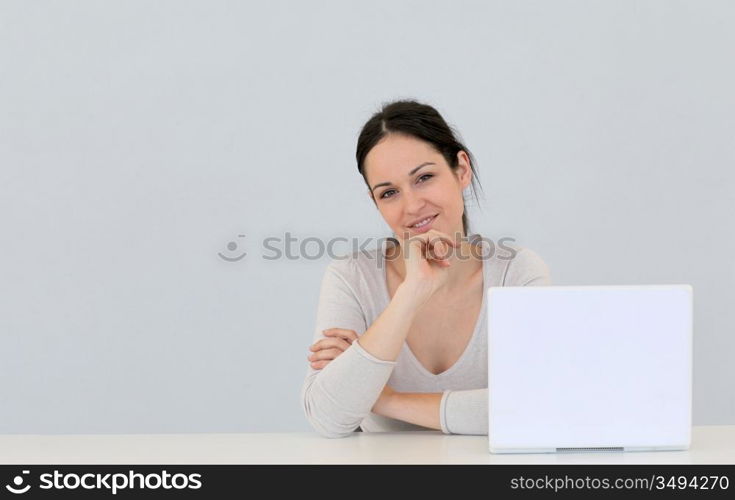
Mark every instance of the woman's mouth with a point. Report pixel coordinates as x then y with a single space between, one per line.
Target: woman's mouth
424 225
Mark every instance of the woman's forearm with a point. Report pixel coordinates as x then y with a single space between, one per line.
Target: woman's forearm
465 411
388 332
419 408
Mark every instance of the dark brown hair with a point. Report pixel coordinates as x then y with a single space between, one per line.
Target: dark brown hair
421 121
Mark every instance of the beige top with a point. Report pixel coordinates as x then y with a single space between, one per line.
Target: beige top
354 292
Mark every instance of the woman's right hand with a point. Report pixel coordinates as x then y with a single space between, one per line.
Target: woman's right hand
427 259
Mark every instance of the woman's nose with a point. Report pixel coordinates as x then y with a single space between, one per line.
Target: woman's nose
414 203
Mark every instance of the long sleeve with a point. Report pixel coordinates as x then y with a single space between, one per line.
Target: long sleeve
338 397
466 412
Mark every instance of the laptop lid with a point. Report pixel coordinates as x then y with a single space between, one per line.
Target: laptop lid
589 368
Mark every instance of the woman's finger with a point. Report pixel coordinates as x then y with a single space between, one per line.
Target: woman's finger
349 335
433 235
318 365
438 249
325 354
445 237
435 248
441 245
337 342
326 343
433 238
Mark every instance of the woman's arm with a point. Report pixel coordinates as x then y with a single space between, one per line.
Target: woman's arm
387 334
413 407
338 397
452 412
466 411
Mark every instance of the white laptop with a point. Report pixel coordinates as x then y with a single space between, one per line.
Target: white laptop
589 368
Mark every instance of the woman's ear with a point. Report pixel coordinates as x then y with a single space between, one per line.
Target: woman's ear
464 170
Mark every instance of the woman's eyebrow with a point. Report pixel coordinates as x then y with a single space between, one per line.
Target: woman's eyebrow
409 174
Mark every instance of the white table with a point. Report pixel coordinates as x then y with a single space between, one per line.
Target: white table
710 445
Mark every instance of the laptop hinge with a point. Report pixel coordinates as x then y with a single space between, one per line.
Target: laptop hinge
592 448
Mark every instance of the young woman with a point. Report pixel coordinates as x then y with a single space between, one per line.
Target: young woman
400 341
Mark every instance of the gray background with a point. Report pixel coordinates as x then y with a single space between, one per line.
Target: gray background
137 139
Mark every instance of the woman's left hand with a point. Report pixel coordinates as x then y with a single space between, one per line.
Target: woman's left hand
325 350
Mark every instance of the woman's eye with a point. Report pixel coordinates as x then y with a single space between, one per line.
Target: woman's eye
391 190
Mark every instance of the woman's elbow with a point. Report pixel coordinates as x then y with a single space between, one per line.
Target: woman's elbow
328 429
323 424
331 434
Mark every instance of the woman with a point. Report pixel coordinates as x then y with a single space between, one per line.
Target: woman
400 340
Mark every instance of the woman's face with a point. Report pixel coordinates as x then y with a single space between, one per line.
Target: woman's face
405 194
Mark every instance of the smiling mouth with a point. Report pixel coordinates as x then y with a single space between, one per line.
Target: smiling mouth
428 221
